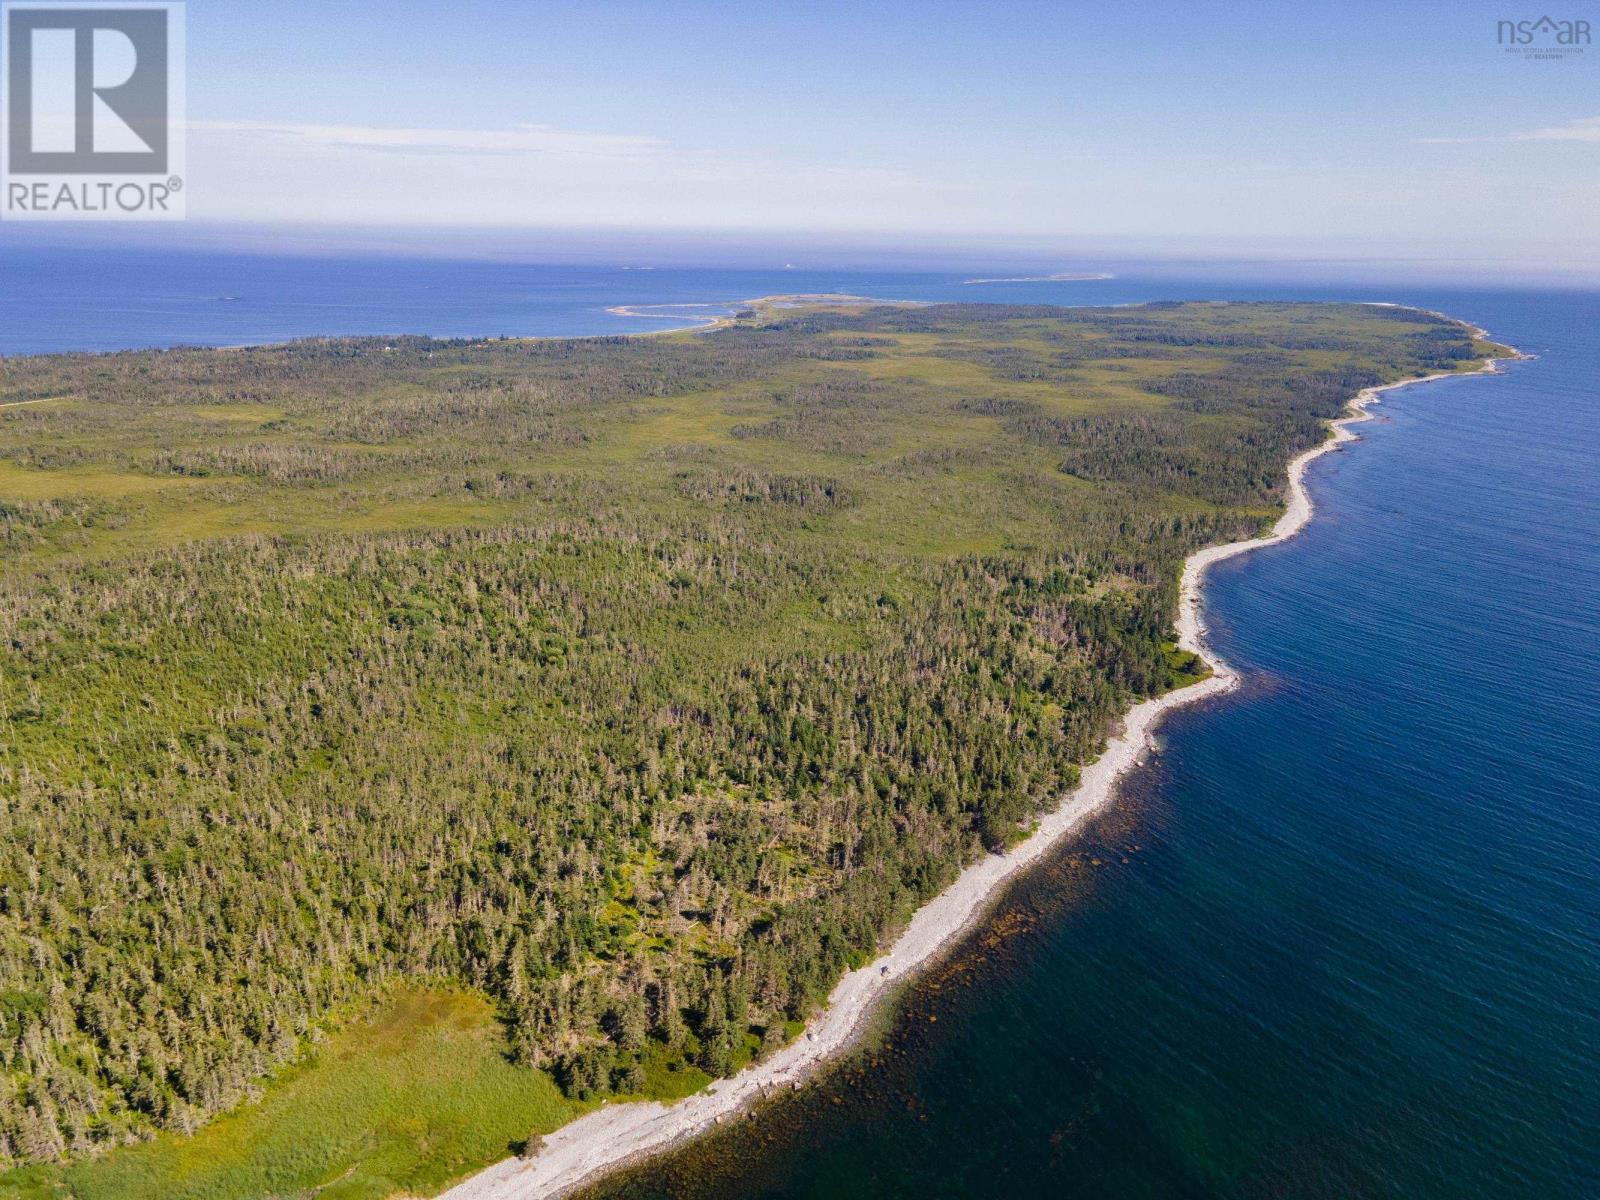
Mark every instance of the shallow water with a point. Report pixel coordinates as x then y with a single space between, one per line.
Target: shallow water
1342 937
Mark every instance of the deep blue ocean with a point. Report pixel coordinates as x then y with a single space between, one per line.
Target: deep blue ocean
1340 938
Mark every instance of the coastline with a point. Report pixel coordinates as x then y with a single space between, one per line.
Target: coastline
616 1136
764 303
621 1135
705 322
637 311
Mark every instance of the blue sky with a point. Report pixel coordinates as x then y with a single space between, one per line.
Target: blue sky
1372 127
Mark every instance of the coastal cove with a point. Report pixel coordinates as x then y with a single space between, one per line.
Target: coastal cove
581 1152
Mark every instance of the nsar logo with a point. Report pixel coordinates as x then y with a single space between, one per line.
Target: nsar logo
1544 37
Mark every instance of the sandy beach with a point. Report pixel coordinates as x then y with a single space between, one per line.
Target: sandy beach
615 1135
707 320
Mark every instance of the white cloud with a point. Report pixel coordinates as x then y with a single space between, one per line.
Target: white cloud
545 141
530 140
1584 129
533 174
1579 129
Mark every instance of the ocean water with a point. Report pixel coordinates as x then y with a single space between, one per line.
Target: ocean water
62 298
1340 938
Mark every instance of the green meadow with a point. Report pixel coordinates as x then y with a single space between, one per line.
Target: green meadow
399 1102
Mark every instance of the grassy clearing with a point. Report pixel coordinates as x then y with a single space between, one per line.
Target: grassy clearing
402 1103
1183 667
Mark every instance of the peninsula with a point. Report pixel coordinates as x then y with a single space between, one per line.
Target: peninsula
645 692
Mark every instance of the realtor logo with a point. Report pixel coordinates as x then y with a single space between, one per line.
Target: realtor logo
94 98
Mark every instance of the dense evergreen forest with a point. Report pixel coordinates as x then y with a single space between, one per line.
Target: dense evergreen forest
644 684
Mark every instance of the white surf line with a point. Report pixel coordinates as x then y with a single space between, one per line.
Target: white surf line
707 321
617 1135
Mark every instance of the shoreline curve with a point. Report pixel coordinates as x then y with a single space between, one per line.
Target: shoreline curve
620 1135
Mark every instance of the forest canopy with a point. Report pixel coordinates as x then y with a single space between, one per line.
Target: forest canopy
646 685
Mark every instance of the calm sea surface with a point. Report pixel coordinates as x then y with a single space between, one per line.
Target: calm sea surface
1340 939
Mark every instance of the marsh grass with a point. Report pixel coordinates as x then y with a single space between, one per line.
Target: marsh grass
401 1101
